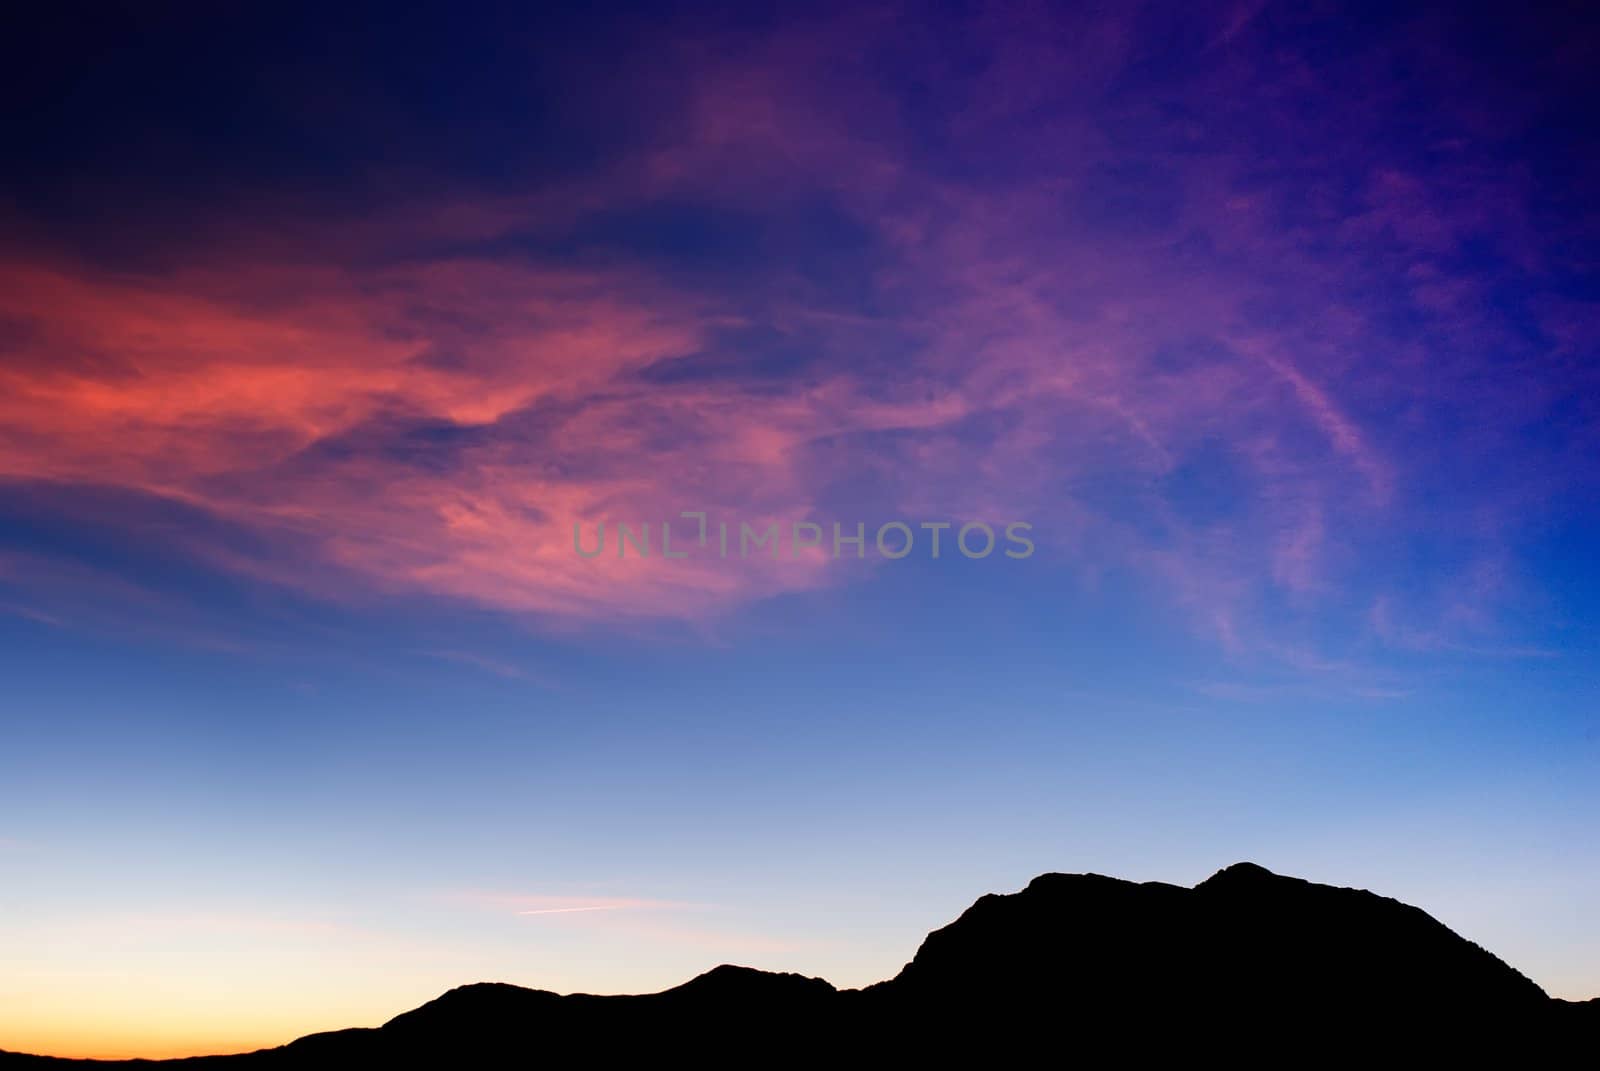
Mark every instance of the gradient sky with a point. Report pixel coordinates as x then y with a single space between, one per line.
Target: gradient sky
320 329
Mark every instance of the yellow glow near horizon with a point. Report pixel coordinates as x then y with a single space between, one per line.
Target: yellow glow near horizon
130 1017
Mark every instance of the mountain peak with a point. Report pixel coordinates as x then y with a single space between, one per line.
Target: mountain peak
1240 873
750 983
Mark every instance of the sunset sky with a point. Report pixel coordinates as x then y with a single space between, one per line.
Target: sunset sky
322 327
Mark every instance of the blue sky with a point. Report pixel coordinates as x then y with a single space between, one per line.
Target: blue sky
318 338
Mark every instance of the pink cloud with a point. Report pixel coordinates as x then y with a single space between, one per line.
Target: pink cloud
1084 299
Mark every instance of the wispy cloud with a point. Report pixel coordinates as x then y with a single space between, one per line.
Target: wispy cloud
643 919
1193 347
585 907
522 904
30 614
497 667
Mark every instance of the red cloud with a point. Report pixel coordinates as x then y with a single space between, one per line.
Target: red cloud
1054 335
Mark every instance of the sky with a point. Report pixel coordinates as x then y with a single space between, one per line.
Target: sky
331 337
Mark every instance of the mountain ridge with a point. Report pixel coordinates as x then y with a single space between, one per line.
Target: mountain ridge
1249 959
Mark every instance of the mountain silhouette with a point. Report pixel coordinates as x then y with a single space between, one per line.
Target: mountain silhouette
1248 966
